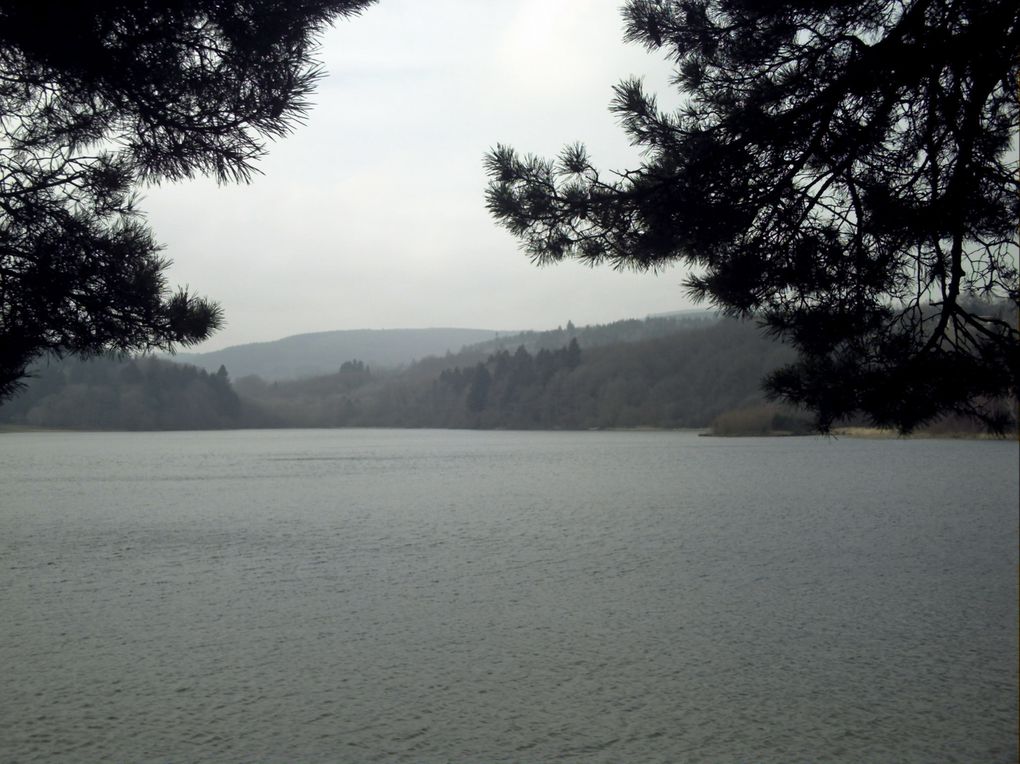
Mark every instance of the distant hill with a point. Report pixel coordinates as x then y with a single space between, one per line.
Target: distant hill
656 373
307 355
675 374
598 335
650 373
310 355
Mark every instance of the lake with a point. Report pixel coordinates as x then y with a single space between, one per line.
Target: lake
433 596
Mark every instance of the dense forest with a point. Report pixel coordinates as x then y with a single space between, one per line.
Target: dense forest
679 374
111 393
684 379
308 355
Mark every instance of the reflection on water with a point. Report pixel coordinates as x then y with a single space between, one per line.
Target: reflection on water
455 596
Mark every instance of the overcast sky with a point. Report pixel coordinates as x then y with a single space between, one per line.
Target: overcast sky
372 215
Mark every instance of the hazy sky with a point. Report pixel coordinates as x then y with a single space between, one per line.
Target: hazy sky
372 215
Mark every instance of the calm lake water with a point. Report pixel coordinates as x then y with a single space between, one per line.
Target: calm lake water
430 596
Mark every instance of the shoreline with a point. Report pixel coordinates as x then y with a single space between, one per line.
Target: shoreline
878 433
862 433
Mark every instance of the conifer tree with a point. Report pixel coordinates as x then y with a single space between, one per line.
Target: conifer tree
98 97
844 172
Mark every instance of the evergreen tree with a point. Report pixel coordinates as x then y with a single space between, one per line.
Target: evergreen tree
478 391
96 97
840 171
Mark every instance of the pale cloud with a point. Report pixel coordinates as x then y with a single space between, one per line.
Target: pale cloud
372 214
542 54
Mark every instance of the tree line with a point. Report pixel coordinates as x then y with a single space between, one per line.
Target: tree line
117 393
683 379
702 375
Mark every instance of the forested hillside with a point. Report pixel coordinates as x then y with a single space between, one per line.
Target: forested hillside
684 375
680 380
615 333
305 355
107 393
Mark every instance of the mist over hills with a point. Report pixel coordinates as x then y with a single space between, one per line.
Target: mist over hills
308 355
658 372
686 371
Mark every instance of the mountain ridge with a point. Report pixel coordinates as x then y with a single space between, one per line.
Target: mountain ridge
312 353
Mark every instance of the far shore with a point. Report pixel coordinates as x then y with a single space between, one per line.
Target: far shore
29 428
880 433
866 433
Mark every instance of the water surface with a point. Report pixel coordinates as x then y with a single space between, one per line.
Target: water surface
374 595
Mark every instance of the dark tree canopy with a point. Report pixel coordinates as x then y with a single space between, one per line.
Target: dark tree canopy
843 171
98 97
